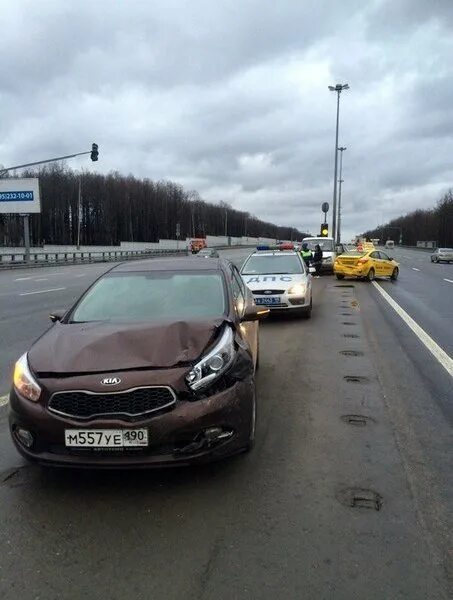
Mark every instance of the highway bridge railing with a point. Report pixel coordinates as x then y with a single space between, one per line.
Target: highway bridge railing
18 259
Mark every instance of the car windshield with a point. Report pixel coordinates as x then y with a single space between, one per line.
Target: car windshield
445 249
153 296
205 253
273 264
325 245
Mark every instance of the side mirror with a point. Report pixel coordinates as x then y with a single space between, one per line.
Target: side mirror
255 313
56 316
311 270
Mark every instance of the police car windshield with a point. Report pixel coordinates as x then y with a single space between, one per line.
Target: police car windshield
325 245
273 264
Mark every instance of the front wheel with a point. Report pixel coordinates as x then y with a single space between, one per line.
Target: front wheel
394 275
251 442
340 276
370 275
307 311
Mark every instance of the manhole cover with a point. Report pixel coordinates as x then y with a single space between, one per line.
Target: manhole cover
357 420
356 379
351 352
360 498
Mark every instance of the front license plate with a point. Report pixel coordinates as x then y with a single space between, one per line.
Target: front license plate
268 300
105 438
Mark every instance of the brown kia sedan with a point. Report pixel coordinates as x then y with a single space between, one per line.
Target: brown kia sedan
154 365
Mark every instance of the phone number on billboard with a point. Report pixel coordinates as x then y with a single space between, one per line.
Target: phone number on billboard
14 196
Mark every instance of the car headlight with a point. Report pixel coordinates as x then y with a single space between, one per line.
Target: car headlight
327 259
297 290
213 364
24 382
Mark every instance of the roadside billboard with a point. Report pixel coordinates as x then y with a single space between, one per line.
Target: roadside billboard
20 196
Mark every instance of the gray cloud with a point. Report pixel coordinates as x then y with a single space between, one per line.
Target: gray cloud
231 99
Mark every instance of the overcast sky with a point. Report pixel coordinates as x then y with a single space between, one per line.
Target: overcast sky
230 98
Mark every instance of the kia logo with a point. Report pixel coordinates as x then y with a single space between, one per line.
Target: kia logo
268 291
111 381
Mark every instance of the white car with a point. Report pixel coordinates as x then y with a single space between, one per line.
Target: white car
329 252
442 255
279 280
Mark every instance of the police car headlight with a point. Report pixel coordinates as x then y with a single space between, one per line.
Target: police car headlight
24 381
297 290
214 363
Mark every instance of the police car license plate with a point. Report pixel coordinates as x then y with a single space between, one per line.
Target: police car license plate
268 300
105 438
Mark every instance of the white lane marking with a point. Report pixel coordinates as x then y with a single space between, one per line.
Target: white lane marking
414 269
80 275
42 291
42 279
22 278
4 400
438 353
449 280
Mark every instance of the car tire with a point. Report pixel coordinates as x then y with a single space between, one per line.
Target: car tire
340 276
251 443
395 273
370 275
306 313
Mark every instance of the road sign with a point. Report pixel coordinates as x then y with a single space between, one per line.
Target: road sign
325 207
20 196
178 230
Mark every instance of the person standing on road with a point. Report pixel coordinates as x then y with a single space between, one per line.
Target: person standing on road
317 259
306 254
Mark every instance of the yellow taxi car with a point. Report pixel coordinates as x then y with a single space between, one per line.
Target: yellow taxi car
366 265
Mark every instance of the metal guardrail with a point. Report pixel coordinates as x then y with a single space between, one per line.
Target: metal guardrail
17 259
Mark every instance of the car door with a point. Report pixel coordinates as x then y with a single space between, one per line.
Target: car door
376 263
386 264
242 298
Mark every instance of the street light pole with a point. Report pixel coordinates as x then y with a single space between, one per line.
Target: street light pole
340 181
226 222
79 210
338 89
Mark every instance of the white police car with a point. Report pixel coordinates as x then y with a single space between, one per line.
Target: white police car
279 280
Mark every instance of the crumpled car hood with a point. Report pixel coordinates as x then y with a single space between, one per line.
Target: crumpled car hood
99 347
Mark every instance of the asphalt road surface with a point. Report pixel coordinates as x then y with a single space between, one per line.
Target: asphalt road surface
355 414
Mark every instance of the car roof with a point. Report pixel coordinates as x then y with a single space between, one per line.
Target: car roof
186 263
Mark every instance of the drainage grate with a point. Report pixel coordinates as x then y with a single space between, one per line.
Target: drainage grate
351 352
346 314
351 335
344 285
348 323
356 379
360 498
357 420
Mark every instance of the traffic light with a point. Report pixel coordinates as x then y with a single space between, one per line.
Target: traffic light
324 229
94 152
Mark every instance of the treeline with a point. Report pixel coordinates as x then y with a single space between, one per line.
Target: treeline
434 224
117 208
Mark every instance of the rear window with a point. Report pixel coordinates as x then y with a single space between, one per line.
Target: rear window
325 245
273 264
152 297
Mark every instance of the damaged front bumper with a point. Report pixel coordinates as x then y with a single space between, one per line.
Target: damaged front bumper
191 431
